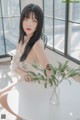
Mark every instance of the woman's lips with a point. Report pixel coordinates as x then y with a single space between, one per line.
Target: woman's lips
28 29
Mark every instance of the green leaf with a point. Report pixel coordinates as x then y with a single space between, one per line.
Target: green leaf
59 73
45 72
54 79
31 73
42 77
50 81
54 70
37 67
62 67
73 72
36 78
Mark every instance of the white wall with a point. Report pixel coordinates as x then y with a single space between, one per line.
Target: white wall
25 2
54 58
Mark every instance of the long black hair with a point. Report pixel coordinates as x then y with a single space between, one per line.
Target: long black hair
36 10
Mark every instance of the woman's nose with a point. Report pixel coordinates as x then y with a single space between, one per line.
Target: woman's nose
29 22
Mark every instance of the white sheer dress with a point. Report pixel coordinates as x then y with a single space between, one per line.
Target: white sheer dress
30 97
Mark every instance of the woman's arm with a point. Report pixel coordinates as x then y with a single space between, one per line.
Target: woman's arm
15 69
42 57
23 74
40 53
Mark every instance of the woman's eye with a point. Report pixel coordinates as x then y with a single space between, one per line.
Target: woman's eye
35 21
25 19
30 20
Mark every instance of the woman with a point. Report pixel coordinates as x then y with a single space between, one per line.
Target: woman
30 48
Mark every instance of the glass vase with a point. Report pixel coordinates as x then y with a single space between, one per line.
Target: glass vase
55 97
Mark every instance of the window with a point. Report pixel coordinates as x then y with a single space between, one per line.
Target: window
0 10
9 24
2 45
59 35
74 31
10 8
48 21
62 26
54 23
49 30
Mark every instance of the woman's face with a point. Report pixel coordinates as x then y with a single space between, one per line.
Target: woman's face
30 24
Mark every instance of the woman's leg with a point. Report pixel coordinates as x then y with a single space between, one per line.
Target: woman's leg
3 102
7 88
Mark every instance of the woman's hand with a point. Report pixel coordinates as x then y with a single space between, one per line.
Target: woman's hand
48 70
26 76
